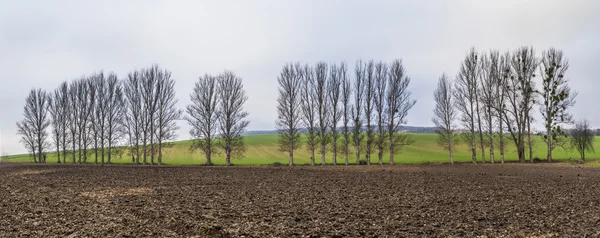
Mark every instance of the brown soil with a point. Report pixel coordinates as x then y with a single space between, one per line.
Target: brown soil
514 200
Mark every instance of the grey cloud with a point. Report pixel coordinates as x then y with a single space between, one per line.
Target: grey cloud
43 43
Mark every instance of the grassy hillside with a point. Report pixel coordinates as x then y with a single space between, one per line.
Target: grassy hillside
262 149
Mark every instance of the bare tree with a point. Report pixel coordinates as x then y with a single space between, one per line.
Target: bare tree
36 120
87 98
557 97
520 92
133 119
115 111
308 106
504 74
335 92
98 119
167 113
369 98
74 112
232 123
356 109
444 115
202 115
381 73
149 92
322 107
478 109
465 94
56 110
398 105
346 110
65 111
25 130
490 73
289 109
582 138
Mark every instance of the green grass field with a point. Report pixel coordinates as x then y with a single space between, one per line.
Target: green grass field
262 149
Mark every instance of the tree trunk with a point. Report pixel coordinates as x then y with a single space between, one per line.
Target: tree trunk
73 149
368 154
549 139
492 159
79 151
323 154
58 155
159 152
501 138
209 153
137 153
521 150
291 153
451 154
380 155
529 140
334 152
64 149
109 151
357 148
228 156
473 147
152 142
482 145
312 156
347 154
479 127
96 151
144 142
391 149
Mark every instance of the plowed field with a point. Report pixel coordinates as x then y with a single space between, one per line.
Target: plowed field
522 200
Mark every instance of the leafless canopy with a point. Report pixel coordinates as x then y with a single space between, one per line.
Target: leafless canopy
33 129
466 97
291 109
231 115
167 112
399 103
202 115
557 98
346 110
369 96
309 112
323 110
356 109
520 95
381 73
335 92
444 115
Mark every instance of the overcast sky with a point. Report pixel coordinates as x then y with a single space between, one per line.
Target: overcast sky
43 43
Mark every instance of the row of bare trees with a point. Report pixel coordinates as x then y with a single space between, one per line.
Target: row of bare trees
100 113
217 116
327 109
494 96
150 113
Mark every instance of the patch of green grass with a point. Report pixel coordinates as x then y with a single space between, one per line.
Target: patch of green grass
263 149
